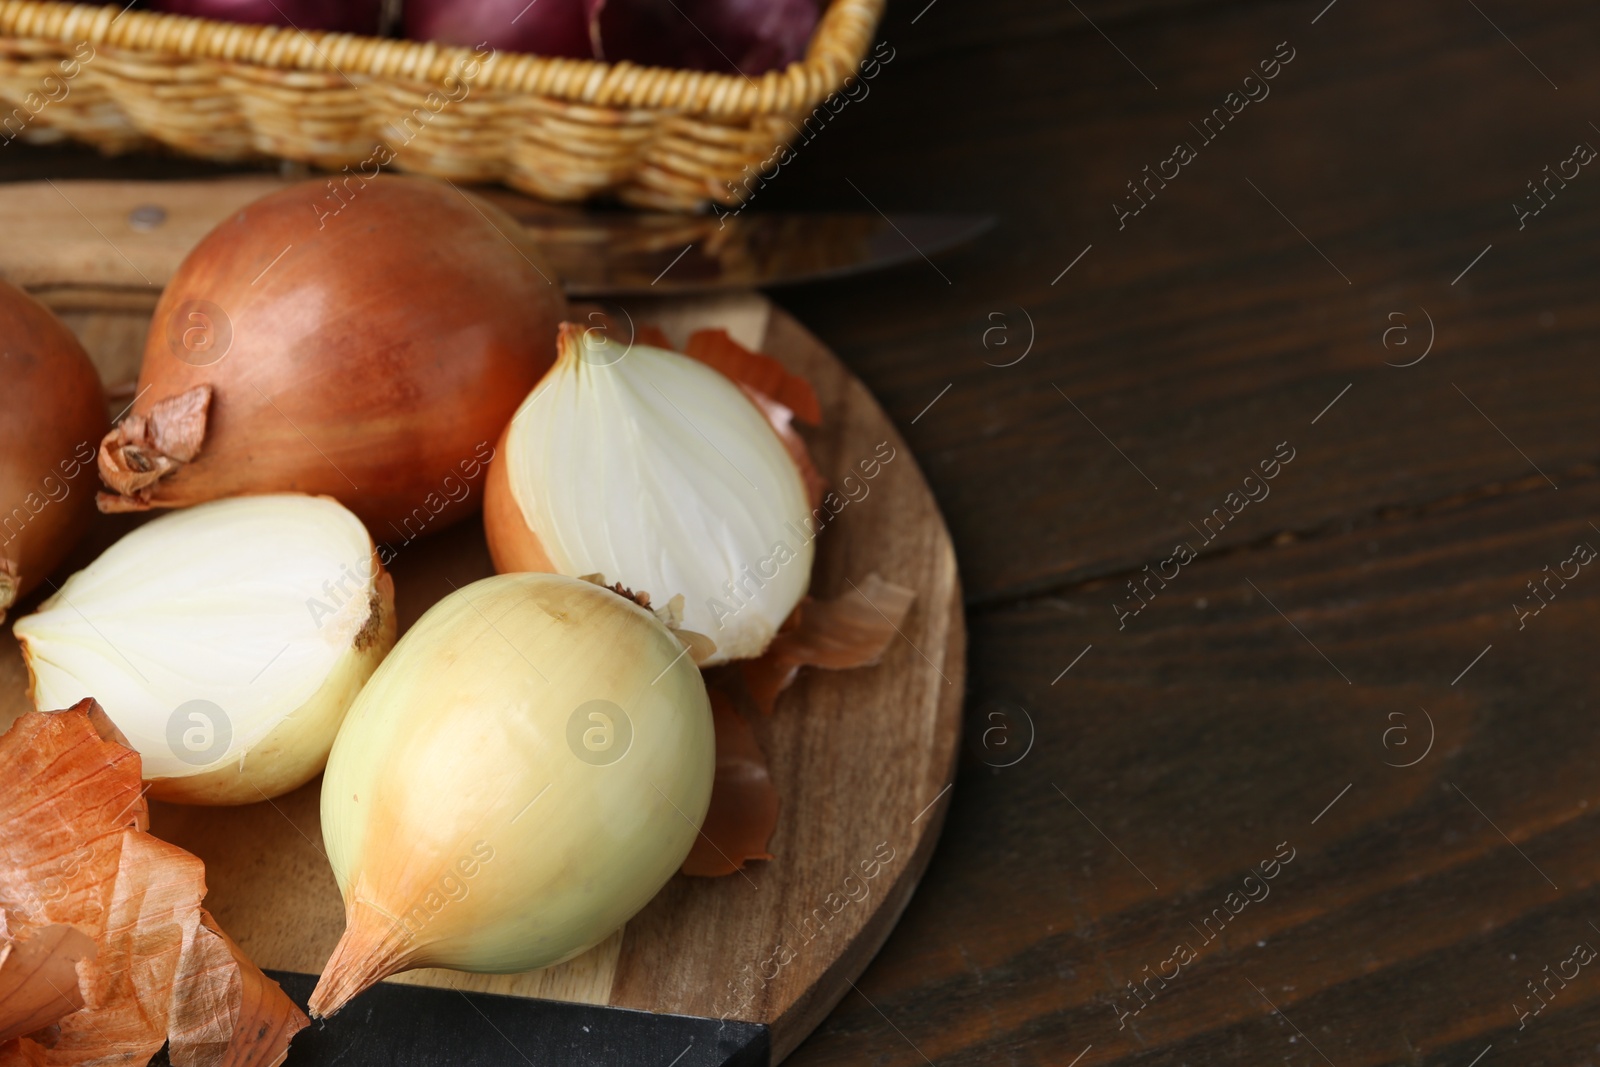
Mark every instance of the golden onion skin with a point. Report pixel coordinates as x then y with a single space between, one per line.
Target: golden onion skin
522 774
365 339
513 546
52 416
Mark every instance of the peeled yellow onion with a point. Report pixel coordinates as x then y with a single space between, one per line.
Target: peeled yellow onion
654 470
226 641
521 775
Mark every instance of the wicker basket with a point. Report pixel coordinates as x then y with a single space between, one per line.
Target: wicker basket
561 129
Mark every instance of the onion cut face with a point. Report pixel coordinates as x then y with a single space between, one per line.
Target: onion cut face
651 469
225 641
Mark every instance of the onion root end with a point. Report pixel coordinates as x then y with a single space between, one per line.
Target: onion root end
141 450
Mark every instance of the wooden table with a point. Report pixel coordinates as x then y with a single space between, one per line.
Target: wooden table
1347 688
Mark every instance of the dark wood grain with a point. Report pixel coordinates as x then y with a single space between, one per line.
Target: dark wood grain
1197 741
1397 540
1209 330
1396 141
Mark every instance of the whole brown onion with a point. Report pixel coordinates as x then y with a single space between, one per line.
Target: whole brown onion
51 414
363 338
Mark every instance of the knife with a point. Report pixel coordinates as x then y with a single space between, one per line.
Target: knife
94 243
418 1026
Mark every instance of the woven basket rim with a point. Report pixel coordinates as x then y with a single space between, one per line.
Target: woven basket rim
840 42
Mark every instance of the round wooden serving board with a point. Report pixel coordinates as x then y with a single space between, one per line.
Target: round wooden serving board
861 760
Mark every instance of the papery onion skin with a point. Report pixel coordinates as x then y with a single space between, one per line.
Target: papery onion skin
52 413
379 332
289 748
462 824
737 611
75 851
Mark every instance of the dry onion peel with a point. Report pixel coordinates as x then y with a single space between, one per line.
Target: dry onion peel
744 802
39 978
656 471
648 333
701 647
74 852
520 776
226 641
716 348
147 446
52 413
850 631
360 339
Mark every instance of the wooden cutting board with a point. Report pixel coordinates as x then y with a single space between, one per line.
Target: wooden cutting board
734 970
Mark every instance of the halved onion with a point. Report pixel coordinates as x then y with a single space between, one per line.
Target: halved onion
651 469
226 642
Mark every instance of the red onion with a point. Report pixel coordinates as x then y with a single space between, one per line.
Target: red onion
347 16
745 36
545 27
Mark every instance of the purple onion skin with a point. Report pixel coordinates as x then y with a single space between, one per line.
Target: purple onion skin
345 16
749 37
544 28
758 35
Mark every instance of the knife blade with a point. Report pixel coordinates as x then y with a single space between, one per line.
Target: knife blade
615 253
76 243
